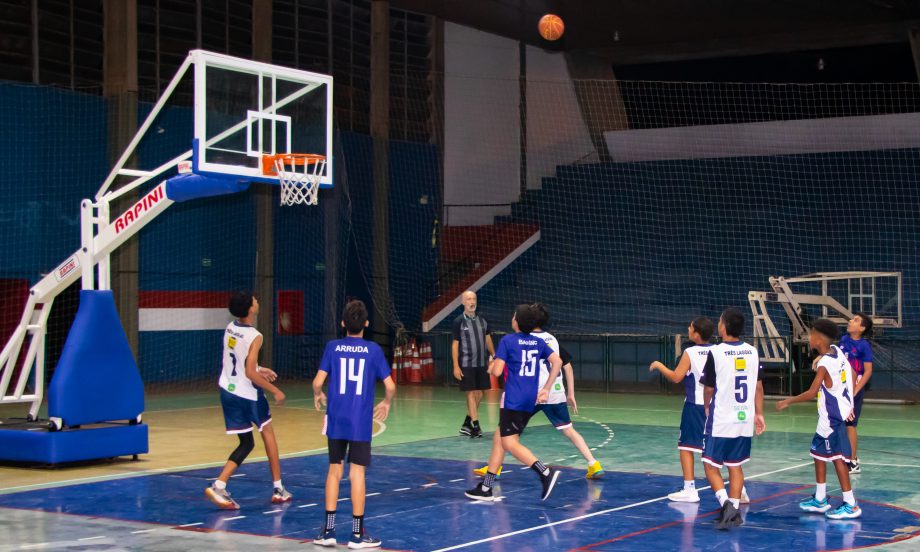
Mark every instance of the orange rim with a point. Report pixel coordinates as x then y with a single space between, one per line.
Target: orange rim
268 161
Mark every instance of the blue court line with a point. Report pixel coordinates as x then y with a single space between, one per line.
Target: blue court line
433 514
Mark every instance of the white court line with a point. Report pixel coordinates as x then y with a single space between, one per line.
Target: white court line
456 480
142 531
343 499
272 511
888 465
225 519
155 471
400 490
371 494
307 505
426 485
200 523
598 513
91 538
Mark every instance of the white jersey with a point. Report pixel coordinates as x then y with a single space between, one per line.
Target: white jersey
733 370
237 340
557 392
834 403
693 381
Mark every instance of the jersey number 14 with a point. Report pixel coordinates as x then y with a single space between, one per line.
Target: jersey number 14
348 373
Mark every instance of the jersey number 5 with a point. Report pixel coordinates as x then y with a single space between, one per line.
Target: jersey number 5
348 373
528 363
741 390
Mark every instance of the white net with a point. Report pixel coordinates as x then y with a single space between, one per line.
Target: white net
298 176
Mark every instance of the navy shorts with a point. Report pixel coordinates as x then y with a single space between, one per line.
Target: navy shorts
240 414
692 420
557 414
857 408
726 451
835 446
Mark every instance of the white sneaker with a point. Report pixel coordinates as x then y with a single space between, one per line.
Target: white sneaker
685 495
745 499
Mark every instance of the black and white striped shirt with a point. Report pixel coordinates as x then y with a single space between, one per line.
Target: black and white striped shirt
471 333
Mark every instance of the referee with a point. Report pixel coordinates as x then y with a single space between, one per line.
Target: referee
471 360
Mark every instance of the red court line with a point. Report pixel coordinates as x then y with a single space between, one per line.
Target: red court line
672 523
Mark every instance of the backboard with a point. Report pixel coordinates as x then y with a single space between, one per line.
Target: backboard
245 109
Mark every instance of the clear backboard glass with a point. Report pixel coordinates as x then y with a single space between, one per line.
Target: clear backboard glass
245 109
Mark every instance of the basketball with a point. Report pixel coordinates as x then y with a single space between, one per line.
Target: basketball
551 27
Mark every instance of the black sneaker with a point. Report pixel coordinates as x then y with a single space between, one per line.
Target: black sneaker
728 517
363 541
467 427
549 481
478 493
476 432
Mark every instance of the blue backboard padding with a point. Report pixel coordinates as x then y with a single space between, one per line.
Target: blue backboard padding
55 447
192 186
96 378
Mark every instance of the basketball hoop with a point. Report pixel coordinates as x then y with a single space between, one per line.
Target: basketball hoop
298 174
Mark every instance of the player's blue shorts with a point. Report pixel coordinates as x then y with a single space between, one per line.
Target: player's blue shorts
857 408
557 414
726 451
692 420
240 414
835 446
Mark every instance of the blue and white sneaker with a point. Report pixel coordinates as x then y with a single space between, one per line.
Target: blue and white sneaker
815 505
363 541
326 538
846 511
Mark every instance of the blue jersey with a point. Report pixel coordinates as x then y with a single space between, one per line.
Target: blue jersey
354 365
522 354
858 352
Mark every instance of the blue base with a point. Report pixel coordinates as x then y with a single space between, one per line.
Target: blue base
72 445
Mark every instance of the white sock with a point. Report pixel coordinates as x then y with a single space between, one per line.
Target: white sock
721 496
736 502
690 485
820 491
218 484
277 484
849 498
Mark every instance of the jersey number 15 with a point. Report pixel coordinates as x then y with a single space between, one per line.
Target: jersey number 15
528 363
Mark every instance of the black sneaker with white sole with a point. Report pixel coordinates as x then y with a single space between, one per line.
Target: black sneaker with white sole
549 482
467 427
476 432
478 493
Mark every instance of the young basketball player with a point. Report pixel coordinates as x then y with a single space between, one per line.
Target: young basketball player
556 407
833 385
242 382
353 366
733 414
859 353
518 358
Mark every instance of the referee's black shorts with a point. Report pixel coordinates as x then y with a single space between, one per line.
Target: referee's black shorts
475 379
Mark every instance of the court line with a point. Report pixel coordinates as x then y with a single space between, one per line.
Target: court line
889 465
156 471
599 513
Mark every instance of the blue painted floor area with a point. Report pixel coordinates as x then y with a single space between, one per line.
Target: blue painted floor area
420 506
